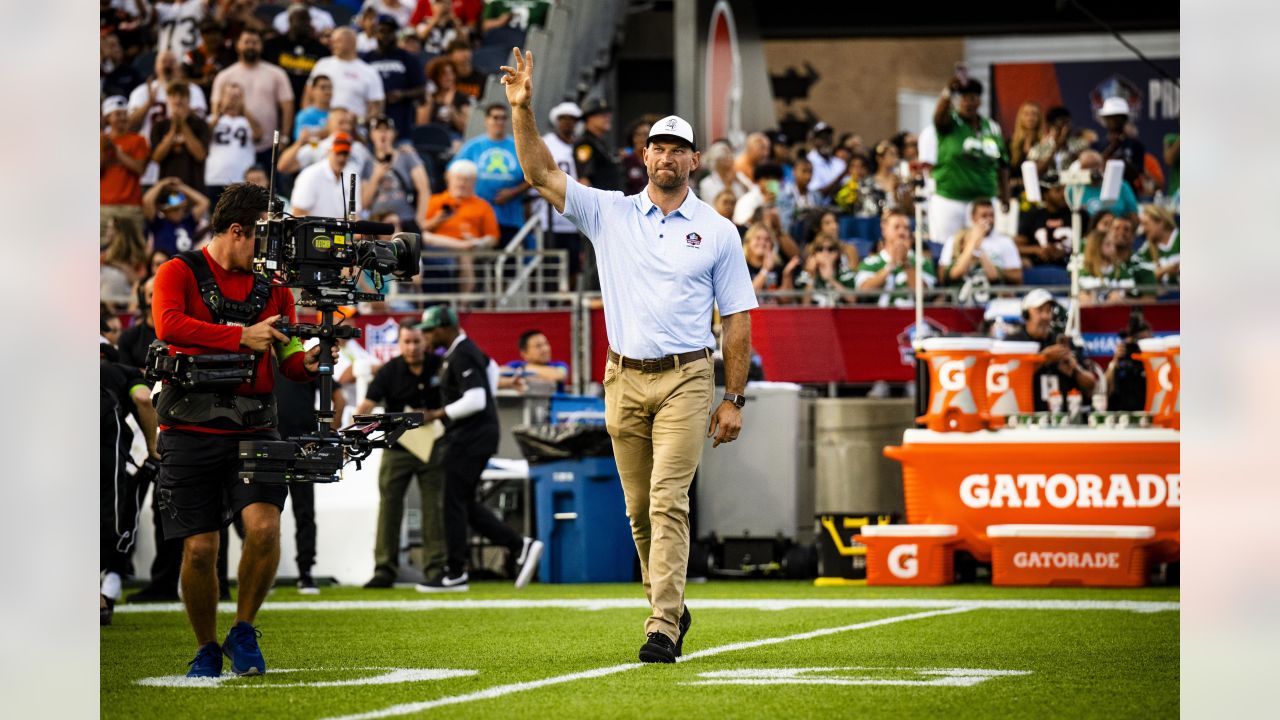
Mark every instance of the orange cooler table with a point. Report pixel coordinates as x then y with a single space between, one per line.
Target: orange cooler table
909 554
1063 476
1089 555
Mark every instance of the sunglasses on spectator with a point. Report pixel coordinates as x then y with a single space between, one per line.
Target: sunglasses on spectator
828 248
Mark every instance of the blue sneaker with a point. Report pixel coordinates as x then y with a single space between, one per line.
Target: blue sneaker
208 662
241 646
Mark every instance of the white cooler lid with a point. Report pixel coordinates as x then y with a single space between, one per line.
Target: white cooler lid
1151 344
1014 347
908 530
956 343
1136 532
1172 341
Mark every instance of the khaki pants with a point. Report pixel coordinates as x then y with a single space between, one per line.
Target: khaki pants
658 423
397 470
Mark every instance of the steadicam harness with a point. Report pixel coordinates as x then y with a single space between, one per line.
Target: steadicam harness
199 388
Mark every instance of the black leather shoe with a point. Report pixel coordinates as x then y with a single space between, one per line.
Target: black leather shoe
380 581
658 649
685 621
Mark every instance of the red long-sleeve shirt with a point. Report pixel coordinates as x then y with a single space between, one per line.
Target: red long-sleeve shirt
184 322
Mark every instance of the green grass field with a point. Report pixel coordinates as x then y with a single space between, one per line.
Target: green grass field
756 650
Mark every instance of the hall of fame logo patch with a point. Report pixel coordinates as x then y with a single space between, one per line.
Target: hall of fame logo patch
693 239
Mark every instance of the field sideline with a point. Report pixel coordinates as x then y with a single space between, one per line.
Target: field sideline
756 649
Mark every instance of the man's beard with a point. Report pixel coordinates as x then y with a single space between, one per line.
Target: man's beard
676 182
250 56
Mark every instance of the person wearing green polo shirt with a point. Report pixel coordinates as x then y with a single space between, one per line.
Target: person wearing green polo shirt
894 267
973 161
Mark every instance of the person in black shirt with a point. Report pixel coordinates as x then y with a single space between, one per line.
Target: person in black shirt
1064 366
409 382
136 338
468 382
402 79
296 52
1120 146
296 406
1044 233
123 392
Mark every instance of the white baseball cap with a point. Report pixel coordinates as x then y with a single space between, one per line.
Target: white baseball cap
1114 106
565 108
672 126
1036 298
114 103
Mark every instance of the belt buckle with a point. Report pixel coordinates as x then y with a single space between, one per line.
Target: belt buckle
651 365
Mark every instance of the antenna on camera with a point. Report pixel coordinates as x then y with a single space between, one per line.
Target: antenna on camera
351 206
273 205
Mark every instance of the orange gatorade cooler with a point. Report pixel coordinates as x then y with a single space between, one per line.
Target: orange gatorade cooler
909 554
957 383
1155 362
1091 555
1170 414
1010 375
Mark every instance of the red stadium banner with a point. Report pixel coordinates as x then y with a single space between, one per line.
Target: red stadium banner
802 345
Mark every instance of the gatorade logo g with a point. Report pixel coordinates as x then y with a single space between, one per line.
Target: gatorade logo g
902 561
951 375
1162 376
997 378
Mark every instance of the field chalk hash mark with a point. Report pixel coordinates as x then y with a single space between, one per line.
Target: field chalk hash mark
1138 606
389 676
502 690
934 677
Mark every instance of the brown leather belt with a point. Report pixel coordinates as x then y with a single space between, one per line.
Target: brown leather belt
661 364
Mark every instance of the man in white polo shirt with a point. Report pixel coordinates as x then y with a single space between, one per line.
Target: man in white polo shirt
319 189
665 258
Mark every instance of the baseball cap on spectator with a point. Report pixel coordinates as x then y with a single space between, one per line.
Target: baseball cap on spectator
565 108
341 142
1114 106
821 128
777 137
672 126
114 103
385 19
1036 298
437 316
595 106
973 87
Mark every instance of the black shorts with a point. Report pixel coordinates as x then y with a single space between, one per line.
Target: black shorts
199 489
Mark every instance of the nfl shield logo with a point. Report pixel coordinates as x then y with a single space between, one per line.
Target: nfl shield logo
381 340
693 239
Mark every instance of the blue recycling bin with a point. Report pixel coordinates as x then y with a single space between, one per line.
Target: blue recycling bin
582 519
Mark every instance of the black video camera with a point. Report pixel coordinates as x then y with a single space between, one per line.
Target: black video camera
314 252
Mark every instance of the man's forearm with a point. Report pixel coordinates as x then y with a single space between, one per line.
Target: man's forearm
532 152
736 345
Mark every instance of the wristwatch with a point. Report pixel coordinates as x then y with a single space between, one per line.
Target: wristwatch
737 400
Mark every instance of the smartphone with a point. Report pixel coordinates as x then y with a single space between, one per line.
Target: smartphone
962 73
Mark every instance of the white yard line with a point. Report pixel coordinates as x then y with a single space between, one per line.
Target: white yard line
502 690
1139 606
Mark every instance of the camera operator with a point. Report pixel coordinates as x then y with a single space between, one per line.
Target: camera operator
1126 376
1064 367
210 302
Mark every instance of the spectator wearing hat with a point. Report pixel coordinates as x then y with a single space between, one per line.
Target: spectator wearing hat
356 86
780 147
597 165
563 234
268 93
174 211
403 83
1119 144
500 181
122 159
1044 232
398 180
296 51
320 188
828 169
1064 366
409 382
757 150
972 160
180 141
457 219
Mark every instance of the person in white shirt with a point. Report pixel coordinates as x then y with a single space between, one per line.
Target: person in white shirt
828 168
320 189
178 25
313 145
980 253
232 133
356 85
321 20
564 234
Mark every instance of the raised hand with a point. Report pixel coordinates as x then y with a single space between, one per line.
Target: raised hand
519 79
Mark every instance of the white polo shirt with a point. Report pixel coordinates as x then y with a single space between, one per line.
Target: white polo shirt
318 191
660 275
